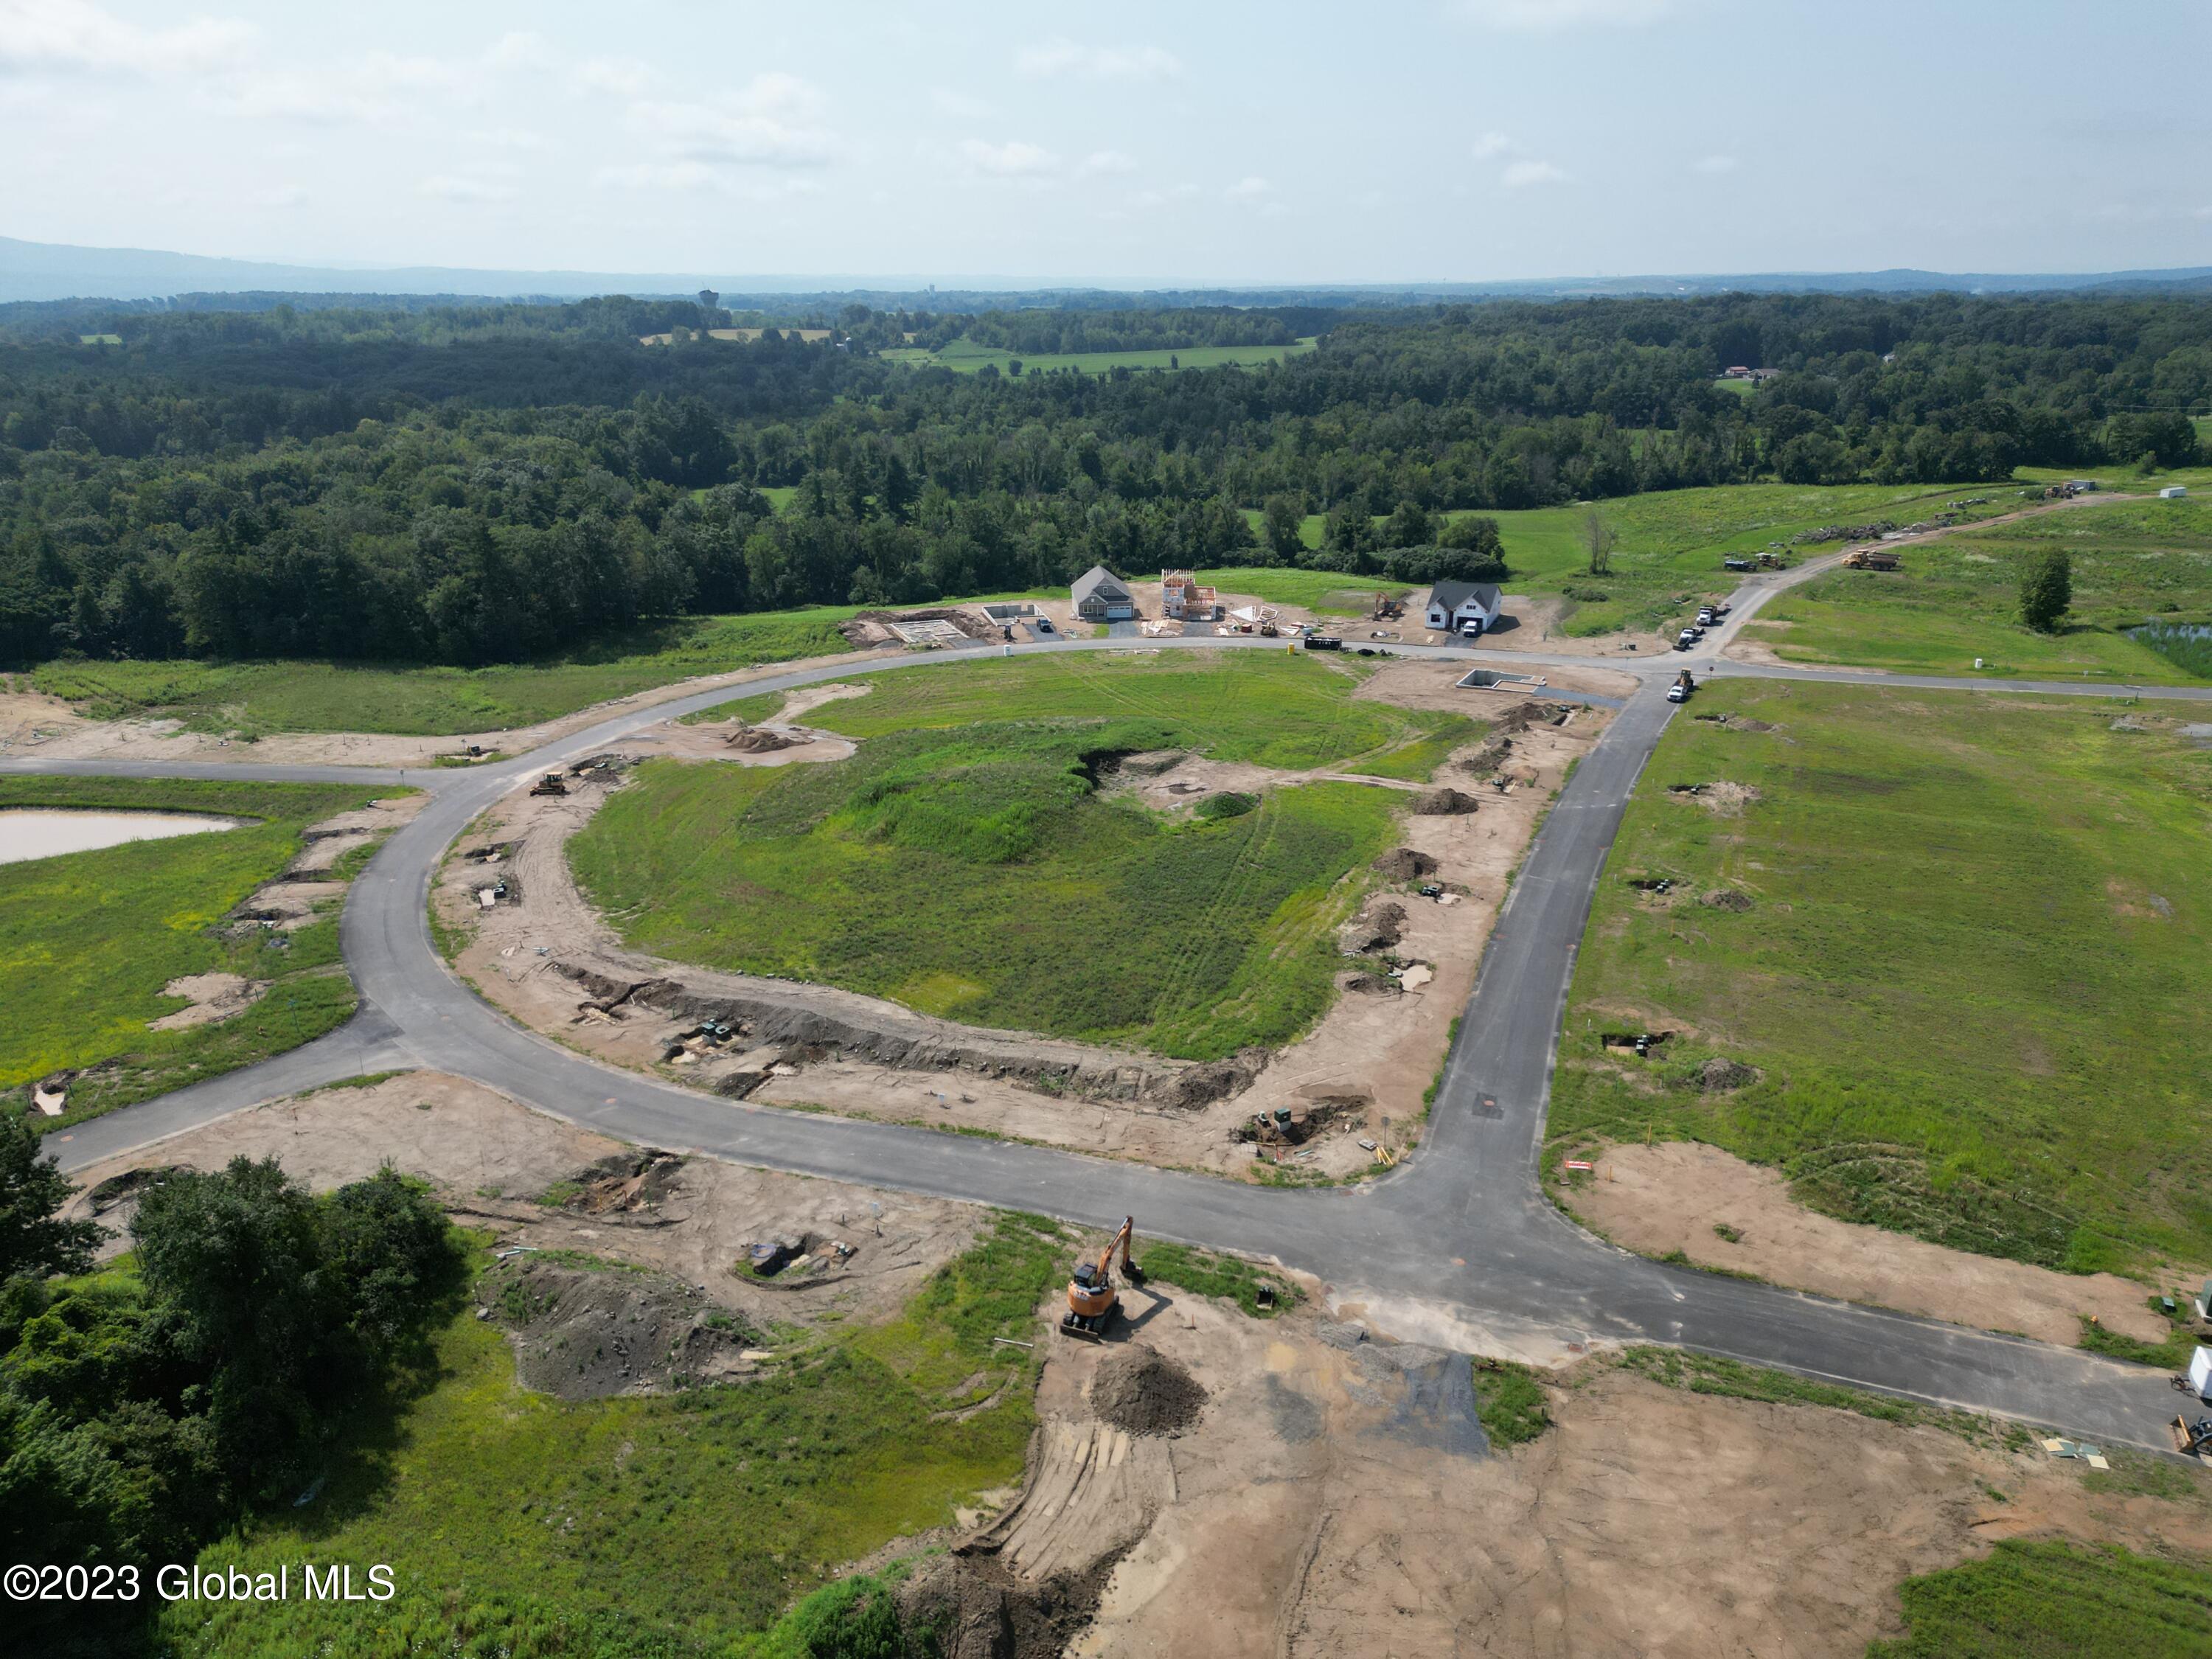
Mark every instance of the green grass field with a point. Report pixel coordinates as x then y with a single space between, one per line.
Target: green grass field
966 357
964 864
256 697
2049 1600
1969 981
1956 600
87 940
1327 592
652 1526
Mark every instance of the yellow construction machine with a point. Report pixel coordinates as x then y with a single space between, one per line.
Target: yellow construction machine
1092 1298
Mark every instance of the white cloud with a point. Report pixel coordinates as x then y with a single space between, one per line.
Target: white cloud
76 34
1012 160
1492 145
693 178
1716 164
291 94
1548 17
1065 57
624 77
452 187
959 105
521 49
385 71
1107 160
284 196
772 122
1146 200
1248 190
507 138
1522 174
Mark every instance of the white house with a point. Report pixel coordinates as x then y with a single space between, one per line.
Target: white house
1101 596
1454 607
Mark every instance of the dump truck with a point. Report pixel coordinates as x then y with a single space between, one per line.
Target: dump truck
1870 558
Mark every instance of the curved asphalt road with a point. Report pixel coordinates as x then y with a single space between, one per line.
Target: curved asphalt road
1463 1235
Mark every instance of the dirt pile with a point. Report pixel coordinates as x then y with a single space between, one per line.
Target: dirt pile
1443 803
1727 898
757 740
1139 1389
976 1609
1210 1080
586 1330
1717 1076
627 1184
1379 927
212 998
1404 864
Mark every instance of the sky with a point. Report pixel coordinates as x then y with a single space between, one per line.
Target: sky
1209 141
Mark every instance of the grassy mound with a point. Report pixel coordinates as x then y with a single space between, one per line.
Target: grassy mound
1968 981
976 873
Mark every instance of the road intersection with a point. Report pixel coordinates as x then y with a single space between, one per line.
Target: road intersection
1462 1246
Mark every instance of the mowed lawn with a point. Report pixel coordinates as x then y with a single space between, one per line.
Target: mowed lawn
2134 562
1282 709
966 864
663 1526
1970 977
87 940
256 698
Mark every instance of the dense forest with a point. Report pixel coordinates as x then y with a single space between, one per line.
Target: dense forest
477 483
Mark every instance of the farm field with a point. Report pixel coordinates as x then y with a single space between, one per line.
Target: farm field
965 357
2134 563
1956 939
964 863
654 1527
88 939
251 698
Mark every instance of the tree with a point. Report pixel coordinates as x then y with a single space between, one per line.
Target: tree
1409 526
1599 539
1282 528
33 1239
2046 590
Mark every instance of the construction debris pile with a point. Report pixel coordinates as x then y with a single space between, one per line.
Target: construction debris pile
584 1334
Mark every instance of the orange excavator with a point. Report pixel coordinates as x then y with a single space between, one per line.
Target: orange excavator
1092 1298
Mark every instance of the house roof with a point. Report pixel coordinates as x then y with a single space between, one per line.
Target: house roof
1099 582
1452 595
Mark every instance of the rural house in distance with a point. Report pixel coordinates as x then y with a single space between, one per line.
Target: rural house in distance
1101 596
1456 607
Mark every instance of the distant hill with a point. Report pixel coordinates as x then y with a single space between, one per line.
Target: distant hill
50 270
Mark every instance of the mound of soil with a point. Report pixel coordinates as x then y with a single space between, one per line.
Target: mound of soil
585 1332
1443 803
757 740
1372 985
1140 1390
1376 928
977 1609
1404 864
130 1186
624 1184
1718 1076
1214 1079
1727 898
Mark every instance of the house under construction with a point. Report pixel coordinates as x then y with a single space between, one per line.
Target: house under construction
1182 598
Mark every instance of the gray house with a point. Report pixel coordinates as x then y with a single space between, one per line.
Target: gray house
1101 596
1466 608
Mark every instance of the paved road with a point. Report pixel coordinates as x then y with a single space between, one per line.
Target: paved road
1462 1237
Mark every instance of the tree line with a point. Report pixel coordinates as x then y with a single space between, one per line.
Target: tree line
492 483
144 1412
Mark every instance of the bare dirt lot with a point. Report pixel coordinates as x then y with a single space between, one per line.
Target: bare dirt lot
494 1162
1676 1195
540 953
1330 1499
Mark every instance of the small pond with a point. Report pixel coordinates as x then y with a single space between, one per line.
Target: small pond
2188 644
41 832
